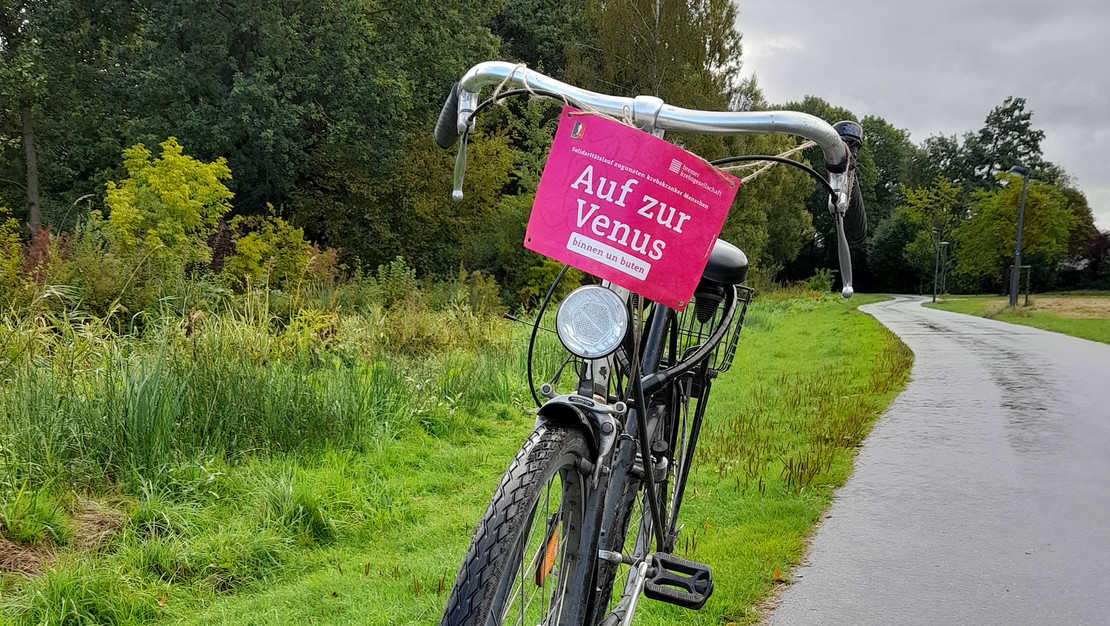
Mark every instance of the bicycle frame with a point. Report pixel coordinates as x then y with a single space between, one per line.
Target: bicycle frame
654 406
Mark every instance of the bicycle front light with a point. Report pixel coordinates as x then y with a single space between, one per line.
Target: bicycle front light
592 322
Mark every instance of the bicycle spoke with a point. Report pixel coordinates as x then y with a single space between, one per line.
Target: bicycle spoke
547 518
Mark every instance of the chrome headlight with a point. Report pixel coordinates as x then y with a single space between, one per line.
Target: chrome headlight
592 322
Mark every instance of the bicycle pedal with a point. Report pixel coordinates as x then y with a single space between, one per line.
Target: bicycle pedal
678 581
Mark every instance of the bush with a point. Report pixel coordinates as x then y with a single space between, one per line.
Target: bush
268 250
11 257
821 281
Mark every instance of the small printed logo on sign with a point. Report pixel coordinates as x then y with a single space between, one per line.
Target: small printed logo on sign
676 166
578 130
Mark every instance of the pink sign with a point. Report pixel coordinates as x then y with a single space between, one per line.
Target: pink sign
628 207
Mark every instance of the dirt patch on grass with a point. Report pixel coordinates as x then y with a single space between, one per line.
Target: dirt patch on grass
94 526
1074 307
22 559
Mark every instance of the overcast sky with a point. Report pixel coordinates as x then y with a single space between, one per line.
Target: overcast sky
939 66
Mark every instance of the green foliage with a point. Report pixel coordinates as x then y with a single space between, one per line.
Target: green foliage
539 32
171 202
822 251
934 212
894 155
822 281
268 250
769 221
886 252
396 283
987 239
11 257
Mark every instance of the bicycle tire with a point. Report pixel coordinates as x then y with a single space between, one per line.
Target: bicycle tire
485 587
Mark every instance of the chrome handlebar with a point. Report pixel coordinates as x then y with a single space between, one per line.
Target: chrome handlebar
651 114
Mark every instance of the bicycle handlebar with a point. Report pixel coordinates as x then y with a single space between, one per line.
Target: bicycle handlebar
650 113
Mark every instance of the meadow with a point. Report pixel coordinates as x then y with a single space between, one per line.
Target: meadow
249 467
1085 315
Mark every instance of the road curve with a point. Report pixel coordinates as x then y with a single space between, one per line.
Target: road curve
982 496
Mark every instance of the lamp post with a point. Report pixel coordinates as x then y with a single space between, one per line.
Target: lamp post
1024 173
937 243
936 265
944 267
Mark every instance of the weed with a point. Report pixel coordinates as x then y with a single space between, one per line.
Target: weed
290 505
78 592
30 516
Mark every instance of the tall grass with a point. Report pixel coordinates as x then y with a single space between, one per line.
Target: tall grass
89 407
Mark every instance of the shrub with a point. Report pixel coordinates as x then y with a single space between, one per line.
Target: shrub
11 256
396 283
159 220
822 280
171 202
268 250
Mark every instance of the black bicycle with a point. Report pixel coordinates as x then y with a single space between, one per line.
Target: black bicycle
586 517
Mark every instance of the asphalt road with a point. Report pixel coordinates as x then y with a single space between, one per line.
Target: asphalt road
982 496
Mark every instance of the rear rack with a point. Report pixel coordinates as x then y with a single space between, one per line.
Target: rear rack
697 323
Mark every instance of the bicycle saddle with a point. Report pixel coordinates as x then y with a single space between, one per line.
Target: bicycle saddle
727 265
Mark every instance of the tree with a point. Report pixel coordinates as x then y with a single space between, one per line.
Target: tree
539 32
934 213
1083 231
886 253
986 240
893 154
822 251
19 78
685 52
1006 139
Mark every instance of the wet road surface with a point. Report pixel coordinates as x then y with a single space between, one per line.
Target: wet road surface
982 496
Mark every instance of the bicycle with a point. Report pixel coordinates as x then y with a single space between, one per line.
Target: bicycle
586 517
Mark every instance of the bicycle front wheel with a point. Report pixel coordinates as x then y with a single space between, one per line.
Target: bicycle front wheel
526 547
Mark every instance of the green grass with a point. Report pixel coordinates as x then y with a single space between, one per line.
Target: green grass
335 514
996 307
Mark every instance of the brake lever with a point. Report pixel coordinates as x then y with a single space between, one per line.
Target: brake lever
842 182
460 168
468 104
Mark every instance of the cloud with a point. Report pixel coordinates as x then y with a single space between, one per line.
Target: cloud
940 67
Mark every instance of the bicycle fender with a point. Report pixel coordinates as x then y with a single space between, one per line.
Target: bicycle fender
563 412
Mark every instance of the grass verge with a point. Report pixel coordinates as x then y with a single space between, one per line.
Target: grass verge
373 534
1086 316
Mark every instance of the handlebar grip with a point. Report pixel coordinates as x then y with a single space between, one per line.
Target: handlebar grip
446 132
855 217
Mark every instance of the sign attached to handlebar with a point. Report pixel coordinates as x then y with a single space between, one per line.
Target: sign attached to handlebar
628 207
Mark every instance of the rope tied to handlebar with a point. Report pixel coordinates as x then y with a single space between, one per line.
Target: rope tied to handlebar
626 117
496 97
763 166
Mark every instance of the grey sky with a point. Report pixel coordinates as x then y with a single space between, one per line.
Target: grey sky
939 66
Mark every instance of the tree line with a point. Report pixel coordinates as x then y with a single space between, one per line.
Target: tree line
322 110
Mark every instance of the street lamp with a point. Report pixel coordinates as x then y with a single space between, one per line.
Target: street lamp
1024 173
944 267
937 243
